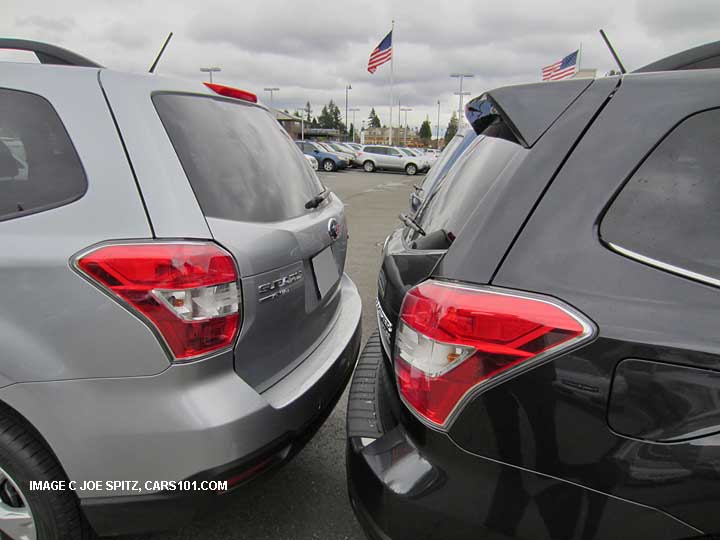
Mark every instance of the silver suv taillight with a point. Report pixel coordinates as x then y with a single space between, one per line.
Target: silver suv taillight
188 292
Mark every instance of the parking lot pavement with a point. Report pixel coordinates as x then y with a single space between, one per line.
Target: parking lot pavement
307 499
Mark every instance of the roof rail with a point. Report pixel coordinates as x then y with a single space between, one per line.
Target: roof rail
703 57
48 54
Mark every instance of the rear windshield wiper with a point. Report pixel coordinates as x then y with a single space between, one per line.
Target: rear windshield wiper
317 199
410 222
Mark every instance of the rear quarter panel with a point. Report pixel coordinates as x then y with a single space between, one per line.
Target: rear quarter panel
54 324
553 419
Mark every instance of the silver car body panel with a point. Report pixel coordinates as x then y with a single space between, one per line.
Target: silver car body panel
56 325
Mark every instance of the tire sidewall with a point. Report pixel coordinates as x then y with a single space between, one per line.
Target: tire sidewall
369 166
411 170
328 165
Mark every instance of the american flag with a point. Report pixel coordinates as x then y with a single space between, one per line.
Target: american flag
381 54
562 69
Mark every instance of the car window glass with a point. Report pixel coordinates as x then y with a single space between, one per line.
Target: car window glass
39 168
238 159
669 209
465 185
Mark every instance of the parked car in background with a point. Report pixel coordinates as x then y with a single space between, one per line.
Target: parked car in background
345 151
442 165
380 157
355 146
424 160
312 162
328 161
546 362
344 154
170 310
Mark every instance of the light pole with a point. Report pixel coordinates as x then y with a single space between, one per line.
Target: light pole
405 110
353 110
437 141
461 76
210 71
272 91
348 87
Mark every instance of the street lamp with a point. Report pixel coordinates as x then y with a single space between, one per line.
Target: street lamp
461 76
210 71
271 90
353 110
347 89
437 142
405 110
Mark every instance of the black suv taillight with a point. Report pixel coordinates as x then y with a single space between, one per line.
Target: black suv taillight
453 339
187 291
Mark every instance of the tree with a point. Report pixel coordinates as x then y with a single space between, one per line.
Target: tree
308 112
330 117
373 120
451 128
351 135
425 131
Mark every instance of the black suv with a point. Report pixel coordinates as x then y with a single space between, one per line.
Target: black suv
548 357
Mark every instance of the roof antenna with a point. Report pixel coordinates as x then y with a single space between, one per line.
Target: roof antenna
612 51
157 58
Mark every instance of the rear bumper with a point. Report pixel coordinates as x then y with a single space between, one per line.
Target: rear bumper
196 421
407 481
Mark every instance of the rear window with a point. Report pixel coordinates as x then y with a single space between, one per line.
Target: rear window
471 177
669 210
241 164
39 168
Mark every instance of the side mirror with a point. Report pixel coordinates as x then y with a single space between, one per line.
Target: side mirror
316 151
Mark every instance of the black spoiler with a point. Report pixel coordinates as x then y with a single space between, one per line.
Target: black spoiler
526 110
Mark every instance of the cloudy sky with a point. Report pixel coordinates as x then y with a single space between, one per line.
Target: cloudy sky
312 49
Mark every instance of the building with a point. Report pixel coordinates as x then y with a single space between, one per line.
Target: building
588 73
402 136
292 124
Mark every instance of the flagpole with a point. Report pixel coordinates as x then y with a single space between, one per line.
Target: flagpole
392 63
579 58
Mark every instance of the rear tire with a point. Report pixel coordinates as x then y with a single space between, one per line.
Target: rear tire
411 169
50 515
369 166
329 165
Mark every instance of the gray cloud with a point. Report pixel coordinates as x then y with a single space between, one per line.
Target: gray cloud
312 48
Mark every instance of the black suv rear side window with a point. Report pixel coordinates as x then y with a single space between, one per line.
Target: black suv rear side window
449 207
668 213
241 164
39 168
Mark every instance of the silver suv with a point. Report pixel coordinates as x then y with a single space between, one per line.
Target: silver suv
374 157
174 315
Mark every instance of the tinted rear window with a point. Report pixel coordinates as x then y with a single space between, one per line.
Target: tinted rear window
241 164
39 168
669 210
450 205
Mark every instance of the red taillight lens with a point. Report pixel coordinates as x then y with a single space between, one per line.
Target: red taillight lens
452 339
188 291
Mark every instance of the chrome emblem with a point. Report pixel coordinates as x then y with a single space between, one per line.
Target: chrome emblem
278 287
333 229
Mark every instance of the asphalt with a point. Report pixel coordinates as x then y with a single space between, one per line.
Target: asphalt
307 499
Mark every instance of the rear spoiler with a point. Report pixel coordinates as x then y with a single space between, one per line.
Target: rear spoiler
703 57
523 112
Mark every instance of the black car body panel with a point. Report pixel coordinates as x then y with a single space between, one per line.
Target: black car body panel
618 438
412 482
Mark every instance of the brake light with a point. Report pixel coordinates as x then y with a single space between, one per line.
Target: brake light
452 339
187 291
229 91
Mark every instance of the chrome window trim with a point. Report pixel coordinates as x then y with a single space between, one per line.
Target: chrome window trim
664 266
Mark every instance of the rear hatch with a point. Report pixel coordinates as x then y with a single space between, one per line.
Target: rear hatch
252 186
